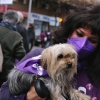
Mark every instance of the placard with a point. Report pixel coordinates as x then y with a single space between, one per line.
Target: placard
6 1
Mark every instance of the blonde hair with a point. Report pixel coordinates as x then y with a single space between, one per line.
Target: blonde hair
20 16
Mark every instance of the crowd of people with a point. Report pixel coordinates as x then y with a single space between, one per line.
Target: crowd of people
81 29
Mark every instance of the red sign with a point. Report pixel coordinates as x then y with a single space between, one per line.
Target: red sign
3 8
23 12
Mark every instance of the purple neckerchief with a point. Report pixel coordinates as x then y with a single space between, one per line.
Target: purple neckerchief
32 66
8 25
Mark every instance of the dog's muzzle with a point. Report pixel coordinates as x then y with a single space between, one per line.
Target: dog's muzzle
69 65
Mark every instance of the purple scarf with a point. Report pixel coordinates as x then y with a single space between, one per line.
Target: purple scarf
8 25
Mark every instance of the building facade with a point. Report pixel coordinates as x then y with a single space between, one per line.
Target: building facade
42 16
45 14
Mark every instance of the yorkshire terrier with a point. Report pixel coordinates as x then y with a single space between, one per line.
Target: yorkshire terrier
60 61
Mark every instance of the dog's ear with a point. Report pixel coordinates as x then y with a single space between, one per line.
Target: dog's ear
45 56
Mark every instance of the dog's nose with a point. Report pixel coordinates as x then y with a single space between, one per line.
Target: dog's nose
69 64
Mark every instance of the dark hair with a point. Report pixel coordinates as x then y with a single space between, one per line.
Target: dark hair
31 26
82 19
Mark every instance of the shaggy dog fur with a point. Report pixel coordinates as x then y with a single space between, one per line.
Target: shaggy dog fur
61 62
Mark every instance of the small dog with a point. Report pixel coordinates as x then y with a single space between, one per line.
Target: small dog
60 61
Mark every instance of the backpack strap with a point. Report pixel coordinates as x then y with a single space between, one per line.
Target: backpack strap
4 36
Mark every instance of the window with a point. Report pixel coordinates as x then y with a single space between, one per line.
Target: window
15 0
45 4
22 1
34 3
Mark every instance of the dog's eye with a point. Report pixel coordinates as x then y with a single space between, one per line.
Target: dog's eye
60 56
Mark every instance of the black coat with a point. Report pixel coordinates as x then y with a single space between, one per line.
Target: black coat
31 34
23 32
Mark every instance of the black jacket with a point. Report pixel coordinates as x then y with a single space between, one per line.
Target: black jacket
23 32
31 34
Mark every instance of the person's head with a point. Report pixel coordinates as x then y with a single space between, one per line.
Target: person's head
83 25
75 22
79 25
31 26
20 16
10 16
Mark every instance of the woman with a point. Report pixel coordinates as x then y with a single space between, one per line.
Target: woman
42 37
82 30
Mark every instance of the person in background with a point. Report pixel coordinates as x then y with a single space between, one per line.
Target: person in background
22 31
1 14
31 35
82 30
43 39
49 36
12 43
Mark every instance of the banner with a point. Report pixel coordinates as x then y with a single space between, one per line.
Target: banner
6 1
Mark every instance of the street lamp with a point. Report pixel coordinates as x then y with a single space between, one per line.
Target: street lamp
29 12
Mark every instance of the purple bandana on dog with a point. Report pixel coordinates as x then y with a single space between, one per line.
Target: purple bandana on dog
32 66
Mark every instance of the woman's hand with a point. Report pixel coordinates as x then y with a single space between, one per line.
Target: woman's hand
32 95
